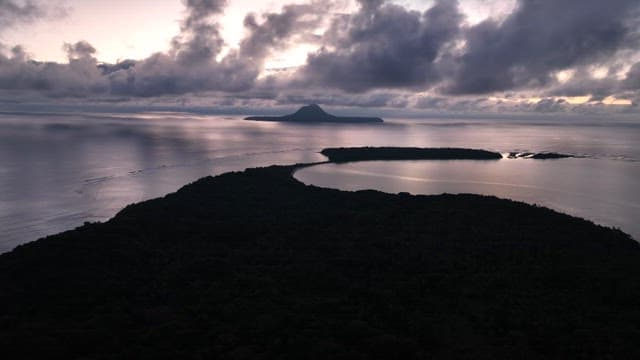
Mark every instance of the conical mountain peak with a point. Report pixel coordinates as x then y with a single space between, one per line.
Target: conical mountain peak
314 113
311 110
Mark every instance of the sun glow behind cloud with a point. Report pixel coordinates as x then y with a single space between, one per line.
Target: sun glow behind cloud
571 100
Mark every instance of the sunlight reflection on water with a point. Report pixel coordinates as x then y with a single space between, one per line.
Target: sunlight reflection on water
596 189
59 170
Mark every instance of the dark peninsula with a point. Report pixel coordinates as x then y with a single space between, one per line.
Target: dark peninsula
314 114
256 265
407 153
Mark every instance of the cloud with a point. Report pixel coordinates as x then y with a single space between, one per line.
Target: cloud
192 63
370 5
383 46
190 66
17 12
431 102
584 83
200 39
80 77
79 50
199 10
162 74
380 55
539 38
373 99
294 24
548 105
12 12
632 79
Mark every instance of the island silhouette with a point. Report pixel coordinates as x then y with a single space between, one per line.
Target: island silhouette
341 155
315 114
257 265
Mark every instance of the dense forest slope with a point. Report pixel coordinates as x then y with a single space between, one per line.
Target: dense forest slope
255 265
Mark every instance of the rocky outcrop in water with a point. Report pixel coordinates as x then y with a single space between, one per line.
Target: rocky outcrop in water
539 156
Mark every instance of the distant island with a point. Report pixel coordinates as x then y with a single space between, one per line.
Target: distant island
314 114
407 153
257 265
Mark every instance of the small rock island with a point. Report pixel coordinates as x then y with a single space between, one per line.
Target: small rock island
539 156
314 114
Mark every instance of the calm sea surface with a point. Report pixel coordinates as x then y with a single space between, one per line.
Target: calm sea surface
58 171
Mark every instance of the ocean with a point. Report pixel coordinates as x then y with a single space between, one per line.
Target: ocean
58 171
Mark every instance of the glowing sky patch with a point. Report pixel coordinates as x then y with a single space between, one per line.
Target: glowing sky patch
611 100
565 75
118 29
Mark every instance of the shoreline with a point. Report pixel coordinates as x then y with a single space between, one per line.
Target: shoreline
258 263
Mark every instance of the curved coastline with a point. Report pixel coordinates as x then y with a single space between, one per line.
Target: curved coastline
255 264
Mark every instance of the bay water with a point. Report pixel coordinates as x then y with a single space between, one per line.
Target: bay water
58 171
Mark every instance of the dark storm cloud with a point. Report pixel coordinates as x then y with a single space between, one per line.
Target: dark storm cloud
539 38
80 77
199 40
12 11
584 83
162 74
548 105
632 79
371 99
111 68
295 23
79 50
199 10
369 5
431 102
383 46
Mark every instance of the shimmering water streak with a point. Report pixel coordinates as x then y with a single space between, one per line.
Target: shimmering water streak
600 190
60 170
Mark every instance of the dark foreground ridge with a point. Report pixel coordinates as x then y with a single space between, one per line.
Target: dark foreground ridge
406 153
256 265
314 113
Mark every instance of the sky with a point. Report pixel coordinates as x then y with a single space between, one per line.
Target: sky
542 56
